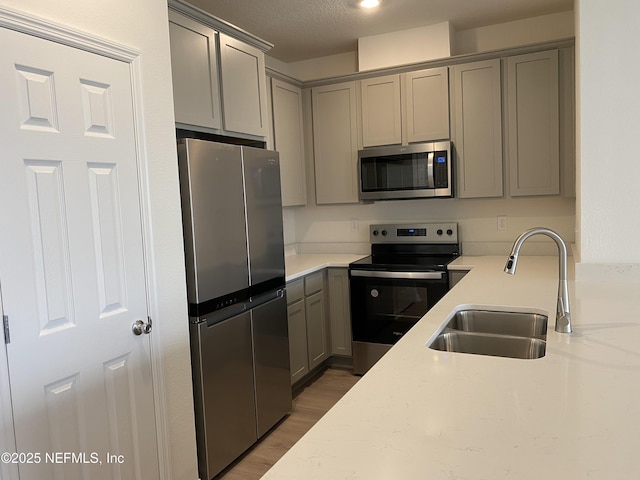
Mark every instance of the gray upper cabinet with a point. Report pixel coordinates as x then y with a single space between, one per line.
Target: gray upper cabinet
219 81
533 145
335 143
407 108
476 108
288 135
426 105
195 72
244 87
381 112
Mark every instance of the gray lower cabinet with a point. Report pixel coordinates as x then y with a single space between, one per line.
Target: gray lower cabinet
308 326
297 340
317 341
339 311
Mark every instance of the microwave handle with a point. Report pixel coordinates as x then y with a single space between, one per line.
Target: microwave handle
431 183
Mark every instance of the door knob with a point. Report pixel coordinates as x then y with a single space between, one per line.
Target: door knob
139 327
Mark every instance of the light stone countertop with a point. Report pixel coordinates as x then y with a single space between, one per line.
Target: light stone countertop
425 414
297 266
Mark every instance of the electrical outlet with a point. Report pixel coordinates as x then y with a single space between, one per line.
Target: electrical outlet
355 225
502 222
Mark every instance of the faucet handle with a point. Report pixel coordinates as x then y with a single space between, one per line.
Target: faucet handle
563 323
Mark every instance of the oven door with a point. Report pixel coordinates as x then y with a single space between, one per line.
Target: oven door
386 304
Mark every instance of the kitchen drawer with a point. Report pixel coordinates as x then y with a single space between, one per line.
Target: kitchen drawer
295 291
314 283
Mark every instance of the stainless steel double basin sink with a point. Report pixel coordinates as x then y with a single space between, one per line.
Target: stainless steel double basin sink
495 333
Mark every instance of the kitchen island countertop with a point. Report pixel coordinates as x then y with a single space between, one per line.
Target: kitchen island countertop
426 414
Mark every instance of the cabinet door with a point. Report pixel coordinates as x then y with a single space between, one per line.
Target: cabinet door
289 141
566 72
339 311
533 128
381 124
427 105
477 128
298 357
194 69
317 339
335 144
244 87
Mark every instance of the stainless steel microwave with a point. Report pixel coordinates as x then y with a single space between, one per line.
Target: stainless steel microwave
421 170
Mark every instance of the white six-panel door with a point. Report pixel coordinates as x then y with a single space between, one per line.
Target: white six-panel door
71 263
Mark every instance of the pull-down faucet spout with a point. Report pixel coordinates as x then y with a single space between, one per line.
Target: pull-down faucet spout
563 316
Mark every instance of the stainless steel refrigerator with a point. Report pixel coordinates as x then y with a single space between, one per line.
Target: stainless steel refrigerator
232 218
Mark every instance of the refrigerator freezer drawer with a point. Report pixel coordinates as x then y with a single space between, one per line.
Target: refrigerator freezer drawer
224 392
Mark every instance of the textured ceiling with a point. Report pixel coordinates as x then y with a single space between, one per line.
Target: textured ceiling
302 29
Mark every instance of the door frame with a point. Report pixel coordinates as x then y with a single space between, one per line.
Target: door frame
7 440
47 30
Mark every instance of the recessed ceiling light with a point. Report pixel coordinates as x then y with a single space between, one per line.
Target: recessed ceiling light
369 3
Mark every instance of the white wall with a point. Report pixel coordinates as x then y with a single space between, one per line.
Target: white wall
607 130
414 45
317 68
345 228
540 29
143 25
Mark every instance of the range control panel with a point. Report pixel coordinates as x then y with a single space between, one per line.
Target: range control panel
414 233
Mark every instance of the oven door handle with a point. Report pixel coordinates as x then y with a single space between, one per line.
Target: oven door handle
399 275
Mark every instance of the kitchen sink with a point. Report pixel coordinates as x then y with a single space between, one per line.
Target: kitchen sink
490 344
495 333
520 324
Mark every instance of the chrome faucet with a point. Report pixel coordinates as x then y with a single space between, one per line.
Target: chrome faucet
563 317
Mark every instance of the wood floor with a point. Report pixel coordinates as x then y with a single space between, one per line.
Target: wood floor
308 407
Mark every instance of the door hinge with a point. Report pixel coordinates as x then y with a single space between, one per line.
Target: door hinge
5 325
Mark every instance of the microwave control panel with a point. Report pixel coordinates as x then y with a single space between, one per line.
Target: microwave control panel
441 170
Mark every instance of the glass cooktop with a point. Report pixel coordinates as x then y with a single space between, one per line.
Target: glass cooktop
403 262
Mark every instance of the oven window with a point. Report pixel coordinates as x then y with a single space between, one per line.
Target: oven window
383 310
394 172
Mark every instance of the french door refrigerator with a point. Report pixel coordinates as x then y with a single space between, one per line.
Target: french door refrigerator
234 248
